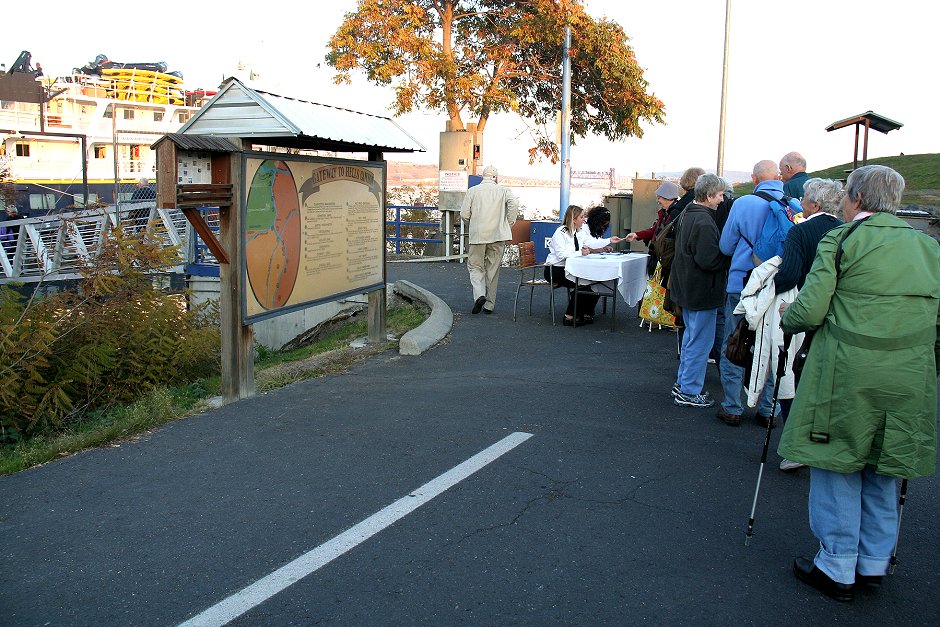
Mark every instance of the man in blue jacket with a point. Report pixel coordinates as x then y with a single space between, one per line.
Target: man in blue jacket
744 225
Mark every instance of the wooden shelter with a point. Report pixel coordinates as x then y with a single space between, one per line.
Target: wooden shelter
868 120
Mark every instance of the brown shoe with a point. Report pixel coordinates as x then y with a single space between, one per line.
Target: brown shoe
732 420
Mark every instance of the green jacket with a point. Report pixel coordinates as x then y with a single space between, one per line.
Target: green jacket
868 392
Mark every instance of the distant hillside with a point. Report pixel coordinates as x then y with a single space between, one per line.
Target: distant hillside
921 176
400 173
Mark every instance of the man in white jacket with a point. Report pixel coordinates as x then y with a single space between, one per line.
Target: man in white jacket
491 210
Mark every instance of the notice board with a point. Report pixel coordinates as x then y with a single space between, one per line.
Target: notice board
314 231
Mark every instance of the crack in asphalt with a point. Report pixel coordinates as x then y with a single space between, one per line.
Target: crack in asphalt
557 492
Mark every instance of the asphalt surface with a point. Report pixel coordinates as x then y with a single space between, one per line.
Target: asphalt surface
621 509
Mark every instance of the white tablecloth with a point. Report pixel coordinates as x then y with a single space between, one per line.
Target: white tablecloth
628 269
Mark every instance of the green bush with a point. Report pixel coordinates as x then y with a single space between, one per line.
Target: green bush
112 339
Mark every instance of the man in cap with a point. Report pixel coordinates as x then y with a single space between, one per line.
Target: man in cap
491 210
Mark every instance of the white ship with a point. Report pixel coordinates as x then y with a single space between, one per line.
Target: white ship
64 141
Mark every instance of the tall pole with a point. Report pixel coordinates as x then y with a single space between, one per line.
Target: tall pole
724 93
114 150
565 126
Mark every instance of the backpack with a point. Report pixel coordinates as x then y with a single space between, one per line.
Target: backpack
775 229
664 245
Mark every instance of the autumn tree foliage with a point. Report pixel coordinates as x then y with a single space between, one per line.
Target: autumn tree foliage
111 338
481 57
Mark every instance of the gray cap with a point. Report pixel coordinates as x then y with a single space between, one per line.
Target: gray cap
668 190
490 172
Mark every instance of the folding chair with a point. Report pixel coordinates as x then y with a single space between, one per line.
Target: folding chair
531 275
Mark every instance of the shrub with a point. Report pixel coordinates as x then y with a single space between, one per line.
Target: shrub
112 338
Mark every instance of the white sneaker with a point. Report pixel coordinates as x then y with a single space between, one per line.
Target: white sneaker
787 465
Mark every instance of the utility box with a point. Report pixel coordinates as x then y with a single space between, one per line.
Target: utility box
645 208
620 206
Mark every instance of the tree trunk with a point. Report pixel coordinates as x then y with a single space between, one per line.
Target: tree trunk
447 25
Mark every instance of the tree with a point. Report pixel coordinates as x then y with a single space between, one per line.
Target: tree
489 56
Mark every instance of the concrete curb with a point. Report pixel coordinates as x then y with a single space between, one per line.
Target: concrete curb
432 330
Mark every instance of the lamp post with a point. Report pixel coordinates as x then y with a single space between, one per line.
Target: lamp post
565 126
724 93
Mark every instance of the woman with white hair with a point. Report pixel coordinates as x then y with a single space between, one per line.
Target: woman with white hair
865 412
822 199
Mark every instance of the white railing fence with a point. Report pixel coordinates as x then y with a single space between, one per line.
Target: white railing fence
53 247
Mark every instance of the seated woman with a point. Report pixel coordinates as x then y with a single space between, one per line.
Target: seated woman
563 244
591 233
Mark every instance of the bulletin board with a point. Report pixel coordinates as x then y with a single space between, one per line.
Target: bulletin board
314 231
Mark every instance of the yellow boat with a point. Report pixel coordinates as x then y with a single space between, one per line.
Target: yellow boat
140 75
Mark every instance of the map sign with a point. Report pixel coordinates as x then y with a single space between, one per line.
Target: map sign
314 231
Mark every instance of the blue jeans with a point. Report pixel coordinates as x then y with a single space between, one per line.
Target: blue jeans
732 377
719 331
855 518
696 343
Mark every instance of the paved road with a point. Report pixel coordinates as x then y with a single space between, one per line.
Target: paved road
620 509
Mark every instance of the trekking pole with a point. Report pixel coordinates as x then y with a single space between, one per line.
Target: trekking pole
781 370
894 554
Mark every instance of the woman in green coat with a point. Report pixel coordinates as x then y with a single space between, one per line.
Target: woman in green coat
865 411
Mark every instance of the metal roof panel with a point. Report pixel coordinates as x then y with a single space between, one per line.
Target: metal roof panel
198 143
240 111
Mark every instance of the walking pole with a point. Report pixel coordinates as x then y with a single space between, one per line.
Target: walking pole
894 554
781 370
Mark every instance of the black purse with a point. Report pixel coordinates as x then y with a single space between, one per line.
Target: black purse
740 348
799 360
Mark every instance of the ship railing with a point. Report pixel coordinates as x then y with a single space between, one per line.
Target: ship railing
54 247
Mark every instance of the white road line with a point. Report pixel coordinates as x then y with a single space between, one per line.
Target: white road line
266 587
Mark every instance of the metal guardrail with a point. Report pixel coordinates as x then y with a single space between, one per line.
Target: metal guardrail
53 247
397 224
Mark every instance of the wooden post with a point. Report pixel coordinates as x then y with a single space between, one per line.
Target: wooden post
166 175
238 375
855 158
377 316
865 149
376 310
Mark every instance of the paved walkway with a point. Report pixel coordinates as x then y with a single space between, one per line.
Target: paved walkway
619 509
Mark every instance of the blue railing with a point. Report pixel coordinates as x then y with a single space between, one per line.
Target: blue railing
397 224
202 261
48 247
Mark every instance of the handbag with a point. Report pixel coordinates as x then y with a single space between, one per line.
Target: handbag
651 307
740 348
799 360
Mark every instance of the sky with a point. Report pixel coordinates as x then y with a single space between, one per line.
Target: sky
794 68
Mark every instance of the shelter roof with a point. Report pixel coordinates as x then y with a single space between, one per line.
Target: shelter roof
875 121
198 143
266 118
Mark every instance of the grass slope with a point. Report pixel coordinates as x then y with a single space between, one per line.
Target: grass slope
921 174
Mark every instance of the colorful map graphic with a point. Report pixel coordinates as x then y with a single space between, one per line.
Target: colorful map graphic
273 234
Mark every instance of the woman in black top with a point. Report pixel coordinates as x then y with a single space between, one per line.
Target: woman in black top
822 211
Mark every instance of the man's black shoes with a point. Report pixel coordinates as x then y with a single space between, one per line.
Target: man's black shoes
478 305
806 571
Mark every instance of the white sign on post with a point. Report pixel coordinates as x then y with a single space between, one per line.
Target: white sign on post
452 181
